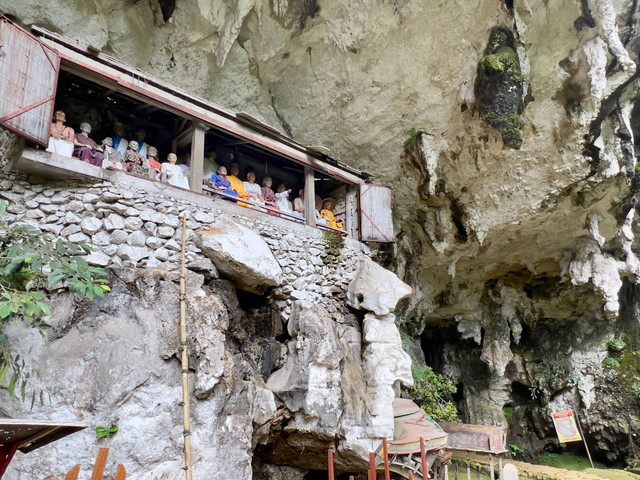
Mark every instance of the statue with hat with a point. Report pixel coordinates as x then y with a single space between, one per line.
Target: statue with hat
328 204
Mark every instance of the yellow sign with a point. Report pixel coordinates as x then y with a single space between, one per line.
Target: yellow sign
566 427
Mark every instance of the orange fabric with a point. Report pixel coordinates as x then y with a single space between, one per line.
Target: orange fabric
155 165
331 219
237 186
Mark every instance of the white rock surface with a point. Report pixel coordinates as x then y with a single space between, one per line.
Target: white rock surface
375 289
240 254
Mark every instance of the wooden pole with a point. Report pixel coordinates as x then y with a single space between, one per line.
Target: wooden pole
500 467
584 440
446 472
372 466
387 471
185 358
332 475
492 474
423 459
468 473
197 157
309 197
457 473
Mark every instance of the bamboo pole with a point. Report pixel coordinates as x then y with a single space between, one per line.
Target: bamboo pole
185 358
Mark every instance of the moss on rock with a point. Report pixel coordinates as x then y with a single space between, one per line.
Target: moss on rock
499 88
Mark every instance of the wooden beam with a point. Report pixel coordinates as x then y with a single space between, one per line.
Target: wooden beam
197 157
111 73
309 197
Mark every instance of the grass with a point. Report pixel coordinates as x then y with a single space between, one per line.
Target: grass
568 462
573 462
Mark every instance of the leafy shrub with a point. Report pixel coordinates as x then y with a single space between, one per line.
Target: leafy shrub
30 262
433 393
616 345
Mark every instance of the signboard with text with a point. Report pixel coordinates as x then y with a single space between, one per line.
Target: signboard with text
566 427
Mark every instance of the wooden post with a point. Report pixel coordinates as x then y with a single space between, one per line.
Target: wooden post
197 157
351 211
372 466
332 475
457 473
446 472
309 197
492 474
184 355
584 440
423 459
410 475
387 471
468 473
500 467
101 463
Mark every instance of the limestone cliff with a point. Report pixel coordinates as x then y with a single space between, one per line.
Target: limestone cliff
523 260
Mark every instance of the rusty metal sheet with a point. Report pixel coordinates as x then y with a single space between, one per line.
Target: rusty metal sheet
475 438
376 221
28 79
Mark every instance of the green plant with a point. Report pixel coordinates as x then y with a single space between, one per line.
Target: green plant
433 393
514 450
616 345
412 141
611 363
104 432
32 262
333 243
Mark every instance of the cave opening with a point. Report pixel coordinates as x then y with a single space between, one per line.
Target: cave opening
521 395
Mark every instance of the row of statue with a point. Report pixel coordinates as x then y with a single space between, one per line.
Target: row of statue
236 190
139 158
115 153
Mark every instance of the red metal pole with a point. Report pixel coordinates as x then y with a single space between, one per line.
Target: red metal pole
6 454
372 466
387 472
332 475
423 458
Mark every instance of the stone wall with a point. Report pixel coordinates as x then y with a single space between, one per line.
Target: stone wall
278 376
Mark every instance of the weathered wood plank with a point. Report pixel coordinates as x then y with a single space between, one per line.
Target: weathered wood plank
28 78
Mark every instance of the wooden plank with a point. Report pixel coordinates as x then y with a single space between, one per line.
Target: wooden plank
121 474
101 463
73 473
351 213
376 220
28 79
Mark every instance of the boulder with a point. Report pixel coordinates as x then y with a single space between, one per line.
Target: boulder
240 254
376 289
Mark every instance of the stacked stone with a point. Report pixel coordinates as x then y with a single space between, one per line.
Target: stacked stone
136 228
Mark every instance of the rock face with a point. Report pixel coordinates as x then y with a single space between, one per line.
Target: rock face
515 256
375 289
268 373
241 254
